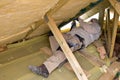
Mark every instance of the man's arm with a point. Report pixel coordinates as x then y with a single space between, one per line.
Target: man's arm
100 48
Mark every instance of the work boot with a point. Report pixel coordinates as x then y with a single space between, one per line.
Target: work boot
40 70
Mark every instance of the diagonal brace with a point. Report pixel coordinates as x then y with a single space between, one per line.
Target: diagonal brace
68 53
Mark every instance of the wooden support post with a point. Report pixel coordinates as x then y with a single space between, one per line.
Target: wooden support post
115 25
68 53
105 35
108 30
101 17
116 5
92 59
111 71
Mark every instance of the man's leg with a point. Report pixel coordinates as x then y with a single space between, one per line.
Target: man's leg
56 59
53 43
59 58
49 65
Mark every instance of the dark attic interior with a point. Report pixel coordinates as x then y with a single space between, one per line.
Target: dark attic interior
26 27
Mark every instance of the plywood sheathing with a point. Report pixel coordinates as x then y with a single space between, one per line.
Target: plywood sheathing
116 5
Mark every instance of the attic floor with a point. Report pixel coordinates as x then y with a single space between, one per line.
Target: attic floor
14 62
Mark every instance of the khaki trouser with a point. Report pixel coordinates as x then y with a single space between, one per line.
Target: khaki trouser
58 56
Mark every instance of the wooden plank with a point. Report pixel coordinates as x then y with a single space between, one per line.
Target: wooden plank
111 71
96 9
115 25
68 53
68 66
105 36
94 60
116 5
108 30
101 17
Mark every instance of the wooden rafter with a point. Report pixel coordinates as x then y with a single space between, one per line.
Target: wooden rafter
101 17
116 5
108 30
95 9
68 53
115 25
111 71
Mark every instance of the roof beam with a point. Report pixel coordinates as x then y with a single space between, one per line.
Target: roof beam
108 28
116 5
95 9
115 26
101 17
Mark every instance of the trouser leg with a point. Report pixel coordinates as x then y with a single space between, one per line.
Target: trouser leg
53 43
56 59
72 41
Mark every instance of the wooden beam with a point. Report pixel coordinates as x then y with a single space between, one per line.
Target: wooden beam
111 71
115 25
68 53
108 30
101 17
96 9
92 59
116 5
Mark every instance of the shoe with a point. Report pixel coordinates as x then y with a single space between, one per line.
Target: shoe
39 70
